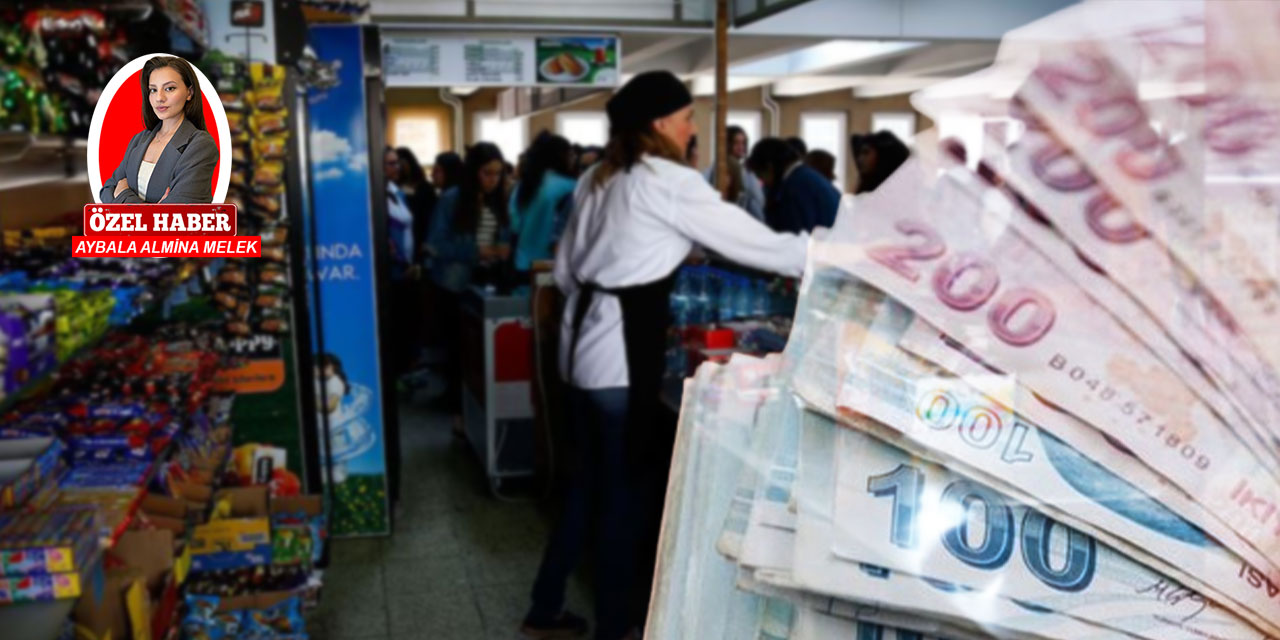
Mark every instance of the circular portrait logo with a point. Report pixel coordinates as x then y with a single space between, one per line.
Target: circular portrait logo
159 135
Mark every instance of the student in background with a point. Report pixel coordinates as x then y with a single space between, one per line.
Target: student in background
587 157
446 173
877 156
747 190
471 232
420 197
798 197
510 176
542 200
739 143
468 241
822 162
399 217
404 272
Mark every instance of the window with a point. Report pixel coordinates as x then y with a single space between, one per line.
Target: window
510 135
899 123
749 121
421 134
586 128
974 132
826 131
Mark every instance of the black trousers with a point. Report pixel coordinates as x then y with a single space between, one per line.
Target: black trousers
599 486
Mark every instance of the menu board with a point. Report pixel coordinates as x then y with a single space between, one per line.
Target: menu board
417 60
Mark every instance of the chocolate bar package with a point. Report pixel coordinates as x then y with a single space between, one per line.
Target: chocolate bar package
55 541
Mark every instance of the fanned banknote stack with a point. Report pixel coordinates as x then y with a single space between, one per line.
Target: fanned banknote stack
1032 387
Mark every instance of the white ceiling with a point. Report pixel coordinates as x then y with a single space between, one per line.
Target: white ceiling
906 19
872 47
799 65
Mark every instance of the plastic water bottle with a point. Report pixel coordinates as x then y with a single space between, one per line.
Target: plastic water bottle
759 300
742 299
728 299
695 295
679 295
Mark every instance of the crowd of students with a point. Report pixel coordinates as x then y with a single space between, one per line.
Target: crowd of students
481 220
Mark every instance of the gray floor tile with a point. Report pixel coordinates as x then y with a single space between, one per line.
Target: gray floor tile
489 569
424 537
354 602
356 551
502 608
443 614
439 572
425 496
461 562
501 528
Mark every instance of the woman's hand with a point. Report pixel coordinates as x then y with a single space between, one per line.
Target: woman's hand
121 186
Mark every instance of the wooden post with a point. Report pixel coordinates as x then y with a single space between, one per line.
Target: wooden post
722 96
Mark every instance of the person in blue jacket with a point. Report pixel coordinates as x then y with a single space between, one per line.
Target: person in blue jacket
797 198
471 230
542 200
469 243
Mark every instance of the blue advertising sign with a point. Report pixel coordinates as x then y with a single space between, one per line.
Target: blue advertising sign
349 384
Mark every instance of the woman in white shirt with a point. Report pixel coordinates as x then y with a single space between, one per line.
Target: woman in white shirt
636 216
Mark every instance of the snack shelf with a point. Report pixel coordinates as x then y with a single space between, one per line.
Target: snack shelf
41 620
171 10
44 620
33 386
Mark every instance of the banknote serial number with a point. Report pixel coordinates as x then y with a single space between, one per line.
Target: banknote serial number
1130 409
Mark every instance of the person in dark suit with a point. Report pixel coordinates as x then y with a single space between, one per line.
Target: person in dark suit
797 198
173 158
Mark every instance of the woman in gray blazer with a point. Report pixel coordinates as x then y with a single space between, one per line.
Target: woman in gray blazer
173 158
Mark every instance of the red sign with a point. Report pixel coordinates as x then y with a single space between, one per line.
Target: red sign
166 247
159 219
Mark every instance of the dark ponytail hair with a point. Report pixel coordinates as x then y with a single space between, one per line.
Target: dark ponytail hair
451 164
410 169
193 111
890 154
467 217
549 152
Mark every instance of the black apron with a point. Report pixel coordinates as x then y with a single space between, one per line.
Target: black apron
646 319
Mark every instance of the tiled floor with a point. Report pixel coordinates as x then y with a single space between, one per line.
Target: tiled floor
460 564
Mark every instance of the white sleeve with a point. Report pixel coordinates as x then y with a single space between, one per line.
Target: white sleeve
563 271
701 214
396 207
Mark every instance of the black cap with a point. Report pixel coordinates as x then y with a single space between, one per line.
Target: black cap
647 97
